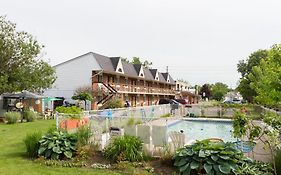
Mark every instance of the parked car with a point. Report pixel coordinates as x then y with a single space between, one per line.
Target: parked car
183 102
168 101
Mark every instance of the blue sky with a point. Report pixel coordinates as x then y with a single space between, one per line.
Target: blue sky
201 41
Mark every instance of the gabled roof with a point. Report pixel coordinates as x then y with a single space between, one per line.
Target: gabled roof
147 74
115 61
129 69
172 80
137 67
165 75
105 62
153 72
110 64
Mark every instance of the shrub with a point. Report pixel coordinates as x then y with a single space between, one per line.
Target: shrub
254 168
29 115
57 145
73 111
83 135
278 162
32 144
114 103
165 115
240 122
132 121
12 117
124 148
208 157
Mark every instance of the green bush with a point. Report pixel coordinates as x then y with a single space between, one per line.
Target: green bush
32 144
29 116
72 112
254 168
132 121
12 117
240 121
207 157
124 148
165 115
83 135
278 162
57 145
114 103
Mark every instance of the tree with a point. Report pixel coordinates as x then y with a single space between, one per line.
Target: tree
219 90
265 78
136 60
205 91
83 93
20 65
245 68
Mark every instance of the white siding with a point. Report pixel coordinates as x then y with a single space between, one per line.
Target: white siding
73 74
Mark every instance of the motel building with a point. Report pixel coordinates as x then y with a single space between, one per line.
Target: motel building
111 77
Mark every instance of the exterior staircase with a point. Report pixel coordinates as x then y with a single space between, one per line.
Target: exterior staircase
111 92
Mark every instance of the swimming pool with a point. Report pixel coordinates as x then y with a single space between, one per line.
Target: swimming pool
199 129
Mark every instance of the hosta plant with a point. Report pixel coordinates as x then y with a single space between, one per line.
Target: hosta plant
57 145
205 157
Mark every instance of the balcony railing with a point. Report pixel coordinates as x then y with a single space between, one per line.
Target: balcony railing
141 89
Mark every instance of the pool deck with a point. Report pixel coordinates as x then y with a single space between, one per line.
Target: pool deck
260 152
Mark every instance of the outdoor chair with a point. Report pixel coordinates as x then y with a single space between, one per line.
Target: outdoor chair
143 132
159 137
178 139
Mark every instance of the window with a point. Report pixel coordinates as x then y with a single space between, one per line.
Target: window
141 74
126 81
120 70
100 79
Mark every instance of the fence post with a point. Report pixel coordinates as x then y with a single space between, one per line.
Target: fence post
57 120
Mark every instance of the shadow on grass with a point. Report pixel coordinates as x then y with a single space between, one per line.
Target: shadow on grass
15 155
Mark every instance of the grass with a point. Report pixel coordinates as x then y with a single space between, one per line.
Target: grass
13 158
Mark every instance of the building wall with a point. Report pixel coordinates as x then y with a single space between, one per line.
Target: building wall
135 90
71 75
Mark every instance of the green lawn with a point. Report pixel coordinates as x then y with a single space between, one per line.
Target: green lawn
12 152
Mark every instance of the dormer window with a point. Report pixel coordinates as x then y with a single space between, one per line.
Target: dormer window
157 78
168 81
120 70
141 74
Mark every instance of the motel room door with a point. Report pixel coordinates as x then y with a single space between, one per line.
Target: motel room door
134 101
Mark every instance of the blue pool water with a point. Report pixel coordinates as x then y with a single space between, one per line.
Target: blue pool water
204 129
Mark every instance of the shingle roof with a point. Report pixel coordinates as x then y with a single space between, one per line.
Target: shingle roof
161 78
129 69
137 67
109 64
115 61
172 80
105 62
147 74
165 75
153 72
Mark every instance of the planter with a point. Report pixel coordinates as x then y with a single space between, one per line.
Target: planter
69 124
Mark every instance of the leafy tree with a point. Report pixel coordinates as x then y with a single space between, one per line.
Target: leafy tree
266 77
20 65
219 90
83 96
136 60
205 91
245 68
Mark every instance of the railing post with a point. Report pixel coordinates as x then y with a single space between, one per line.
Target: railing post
57 120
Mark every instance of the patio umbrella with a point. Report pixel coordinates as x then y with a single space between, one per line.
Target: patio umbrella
46 99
